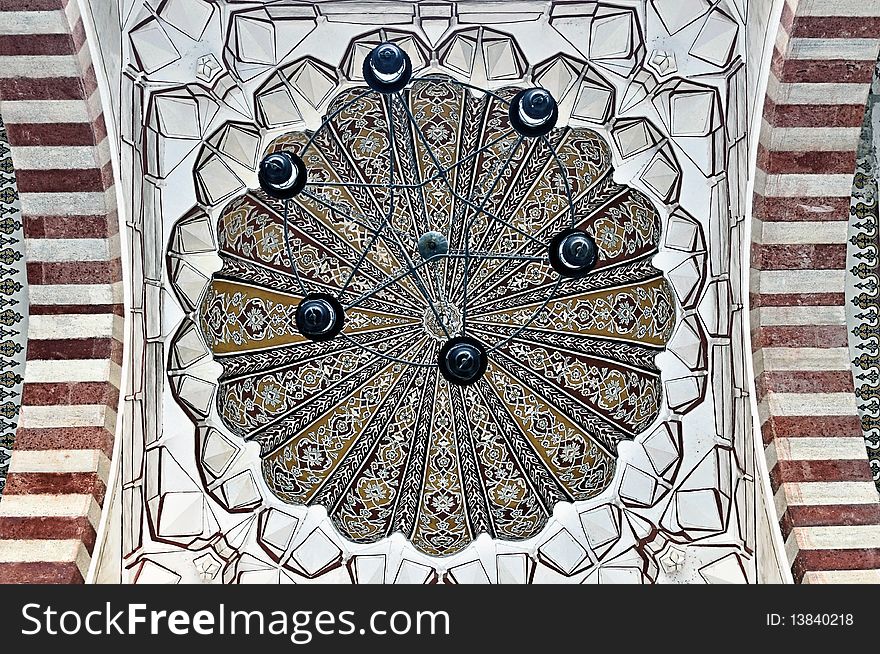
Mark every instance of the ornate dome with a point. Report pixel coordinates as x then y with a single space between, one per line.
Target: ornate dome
365 424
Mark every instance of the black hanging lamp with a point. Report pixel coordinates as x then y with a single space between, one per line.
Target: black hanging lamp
463 360
533 112
387 69
319 317
573 253
282 175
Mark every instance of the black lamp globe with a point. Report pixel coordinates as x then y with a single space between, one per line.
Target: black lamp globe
387 69
533 112
282 175
319 317
462 360
573 253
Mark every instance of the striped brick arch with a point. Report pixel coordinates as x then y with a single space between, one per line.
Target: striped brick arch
828 505
49 102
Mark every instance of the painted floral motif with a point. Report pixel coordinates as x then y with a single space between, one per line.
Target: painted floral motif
863 262
364 424
13 305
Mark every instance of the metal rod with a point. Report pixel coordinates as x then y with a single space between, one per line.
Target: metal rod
470 224
293 267
416 277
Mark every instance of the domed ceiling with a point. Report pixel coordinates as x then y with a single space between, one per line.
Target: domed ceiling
366 425
601 434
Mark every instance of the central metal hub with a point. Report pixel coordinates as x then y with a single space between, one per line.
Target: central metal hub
432 244
463 360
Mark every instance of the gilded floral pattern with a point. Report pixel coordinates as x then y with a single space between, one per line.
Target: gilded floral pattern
364 424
